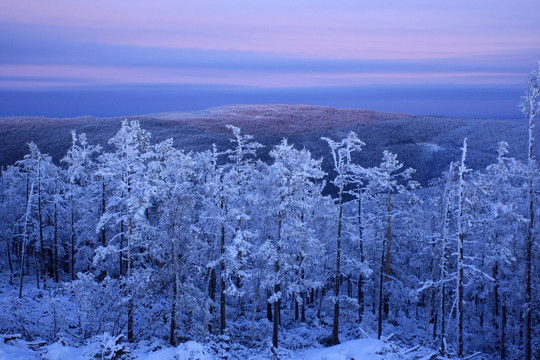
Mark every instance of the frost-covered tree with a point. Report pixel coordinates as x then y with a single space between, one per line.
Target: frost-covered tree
292 253
133 192
178 244
81 193
42 173
530 106
498 200
343 166
386 179
239 201
12 209
462 170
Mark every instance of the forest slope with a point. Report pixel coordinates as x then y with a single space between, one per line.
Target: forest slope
426 143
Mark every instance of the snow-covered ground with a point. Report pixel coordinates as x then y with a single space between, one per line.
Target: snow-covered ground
361 349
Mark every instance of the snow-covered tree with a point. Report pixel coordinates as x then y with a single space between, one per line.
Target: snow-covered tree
386 179
133 192
42 173
345 169
82 195
292 253
530 106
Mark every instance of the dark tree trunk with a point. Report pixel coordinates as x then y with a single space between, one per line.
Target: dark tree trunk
532 113
335 327
130 320
361 248
23 253
460 300
10 264
303 311
36 266
528 274
122 253
222 316
269 310
503 330
388 249
360 298
275 327
55 251
460 257
496 290
277 288
72 243
381 282
103 208
172 337
212 294
40 217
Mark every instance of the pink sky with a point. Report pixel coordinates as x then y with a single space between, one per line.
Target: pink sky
439 34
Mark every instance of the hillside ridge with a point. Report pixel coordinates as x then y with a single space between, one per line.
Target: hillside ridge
426 143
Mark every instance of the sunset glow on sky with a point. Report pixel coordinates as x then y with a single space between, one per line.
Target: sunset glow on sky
60 45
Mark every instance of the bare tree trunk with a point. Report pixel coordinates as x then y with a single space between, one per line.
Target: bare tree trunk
361 248
335 327
277 288
129 265
381 283
269 308
30 191
36 266
431 311
222 305
528 272
212 294
129 268
388 248
23 247
389 235
55 253
530 107
103 208
122 254
130 320
444 257
40 217
460 244
172 337
503 330
303 310
275 322
10 264
72 243
495 273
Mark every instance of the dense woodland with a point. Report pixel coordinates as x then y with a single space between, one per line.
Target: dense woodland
148 241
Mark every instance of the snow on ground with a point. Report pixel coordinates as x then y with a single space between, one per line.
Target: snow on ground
360 349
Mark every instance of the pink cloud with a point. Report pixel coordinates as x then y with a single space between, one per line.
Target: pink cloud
340 29
102 75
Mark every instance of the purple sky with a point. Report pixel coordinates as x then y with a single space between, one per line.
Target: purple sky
67 44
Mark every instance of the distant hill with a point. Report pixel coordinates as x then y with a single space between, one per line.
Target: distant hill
426 143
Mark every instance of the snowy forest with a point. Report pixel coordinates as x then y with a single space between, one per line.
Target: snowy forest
151 242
